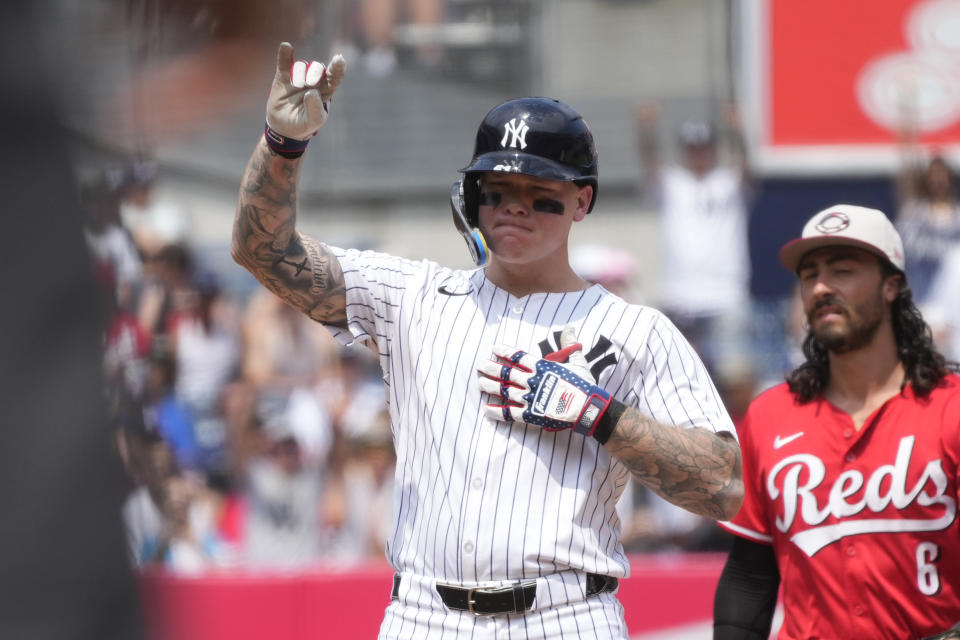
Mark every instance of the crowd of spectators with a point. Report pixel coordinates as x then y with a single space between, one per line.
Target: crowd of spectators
928 219
251 439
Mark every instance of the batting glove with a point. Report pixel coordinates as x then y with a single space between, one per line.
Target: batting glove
300 98
555 393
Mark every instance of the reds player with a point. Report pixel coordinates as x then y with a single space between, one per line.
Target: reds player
851 467
500 529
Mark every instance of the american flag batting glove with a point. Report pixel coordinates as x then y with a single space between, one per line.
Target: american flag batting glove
560 399
540 392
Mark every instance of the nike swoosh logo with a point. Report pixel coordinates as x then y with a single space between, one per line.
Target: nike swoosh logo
779 442
443 289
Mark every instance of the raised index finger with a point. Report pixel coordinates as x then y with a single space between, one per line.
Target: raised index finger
285 59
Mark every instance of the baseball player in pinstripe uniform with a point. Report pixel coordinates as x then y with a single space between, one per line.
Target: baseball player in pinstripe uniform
504 507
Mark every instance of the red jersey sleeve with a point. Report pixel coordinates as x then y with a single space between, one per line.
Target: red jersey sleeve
751 521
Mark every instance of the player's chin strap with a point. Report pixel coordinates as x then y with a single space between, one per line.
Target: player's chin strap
474 239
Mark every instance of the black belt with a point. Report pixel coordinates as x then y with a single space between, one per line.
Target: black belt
515 598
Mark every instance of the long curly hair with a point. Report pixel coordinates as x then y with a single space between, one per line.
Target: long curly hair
925 367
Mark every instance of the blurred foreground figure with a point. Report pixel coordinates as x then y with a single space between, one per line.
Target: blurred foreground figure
63 572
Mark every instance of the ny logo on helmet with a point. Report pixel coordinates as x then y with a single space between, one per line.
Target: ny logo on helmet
516 133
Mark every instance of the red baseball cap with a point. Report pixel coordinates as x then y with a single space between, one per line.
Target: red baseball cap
850 225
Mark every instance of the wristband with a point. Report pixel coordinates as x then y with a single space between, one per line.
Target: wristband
608 421
287 147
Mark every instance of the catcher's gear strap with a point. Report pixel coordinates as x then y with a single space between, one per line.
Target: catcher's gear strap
608 421
746 592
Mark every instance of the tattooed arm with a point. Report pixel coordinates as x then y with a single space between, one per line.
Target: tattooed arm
300 270
696 469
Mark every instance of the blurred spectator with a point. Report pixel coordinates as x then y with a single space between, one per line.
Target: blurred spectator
657 526
378 20
284 493
153 222
928 214
283 349
190 541
207 351
613 268
242 426
366 480
172 418
357 397
704 210
149 462
943 306
116 261
168 522
167 292
126 347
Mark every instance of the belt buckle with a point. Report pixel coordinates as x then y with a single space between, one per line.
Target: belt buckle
470 602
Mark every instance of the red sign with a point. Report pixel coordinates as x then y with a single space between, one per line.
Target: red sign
832 79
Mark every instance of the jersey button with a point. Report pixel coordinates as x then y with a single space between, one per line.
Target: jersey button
858 610
468 547
848 433
518 309
477 483
851 551
850 457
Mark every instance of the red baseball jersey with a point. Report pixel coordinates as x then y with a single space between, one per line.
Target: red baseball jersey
863 523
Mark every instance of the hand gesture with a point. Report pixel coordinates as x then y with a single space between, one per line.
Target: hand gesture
544 392
732 117
300 97
646 114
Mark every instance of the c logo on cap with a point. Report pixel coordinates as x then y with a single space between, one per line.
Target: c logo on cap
833 222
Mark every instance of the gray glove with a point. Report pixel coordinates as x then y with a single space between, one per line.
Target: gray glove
300 97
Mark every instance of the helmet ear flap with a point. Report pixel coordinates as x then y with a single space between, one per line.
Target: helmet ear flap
467 224
471 199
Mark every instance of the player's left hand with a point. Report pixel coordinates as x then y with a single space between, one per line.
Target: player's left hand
544 392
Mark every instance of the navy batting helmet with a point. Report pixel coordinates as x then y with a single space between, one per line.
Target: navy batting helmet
540 137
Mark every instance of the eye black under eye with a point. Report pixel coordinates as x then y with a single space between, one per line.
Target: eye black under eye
490 198
548 205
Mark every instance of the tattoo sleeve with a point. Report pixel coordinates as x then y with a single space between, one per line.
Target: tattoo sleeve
693 468
302 271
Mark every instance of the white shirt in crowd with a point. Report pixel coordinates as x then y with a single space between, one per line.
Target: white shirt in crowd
706 261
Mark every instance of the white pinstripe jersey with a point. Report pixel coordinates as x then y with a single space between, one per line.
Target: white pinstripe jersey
477 500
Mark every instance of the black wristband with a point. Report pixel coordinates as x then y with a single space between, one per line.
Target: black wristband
609 420
287 147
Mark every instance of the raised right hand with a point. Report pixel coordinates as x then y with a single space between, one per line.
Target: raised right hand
300 97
